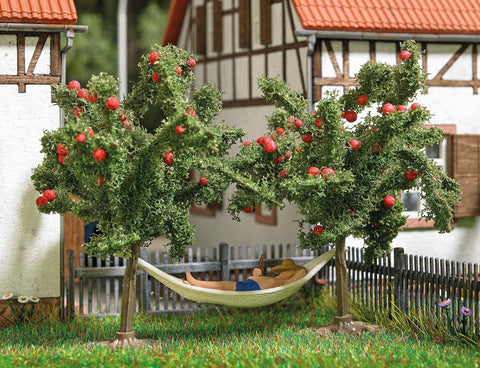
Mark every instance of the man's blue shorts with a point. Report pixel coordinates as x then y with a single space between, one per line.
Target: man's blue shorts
247 285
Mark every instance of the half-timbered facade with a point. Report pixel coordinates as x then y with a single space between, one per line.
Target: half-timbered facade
31 60
319 46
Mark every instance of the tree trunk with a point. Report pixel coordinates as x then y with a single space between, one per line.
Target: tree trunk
343 304
125 335
128 292
342 322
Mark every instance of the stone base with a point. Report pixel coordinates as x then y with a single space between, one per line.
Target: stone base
45 310
344 325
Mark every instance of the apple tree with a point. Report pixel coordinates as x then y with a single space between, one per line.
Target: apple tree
345 174
103 166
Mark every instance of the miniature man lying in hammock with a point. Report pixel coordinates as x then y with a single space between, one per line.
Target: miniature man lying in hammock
288 272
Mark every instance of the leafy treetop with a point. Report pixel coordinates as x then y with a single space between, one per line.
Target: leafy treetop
344 177
103 166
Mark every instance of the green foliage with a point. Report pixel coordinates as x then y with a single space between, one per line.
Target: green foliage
134 192
350 200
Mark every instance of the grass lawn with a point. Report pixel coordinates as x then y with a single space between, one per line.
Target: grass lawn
267 337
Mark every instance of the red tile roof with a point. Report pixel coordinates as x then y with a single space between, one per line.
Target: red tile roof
38 11
380 16
391 16
174 21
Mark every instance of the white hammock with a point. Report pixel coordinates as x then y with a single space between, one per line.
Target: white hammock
243 299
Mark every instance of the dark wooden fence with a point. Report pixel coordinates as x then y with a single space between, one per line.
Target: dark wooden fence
95 287
407 282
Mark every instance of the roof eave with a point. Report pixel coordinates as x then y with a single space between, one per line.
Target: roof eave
386 36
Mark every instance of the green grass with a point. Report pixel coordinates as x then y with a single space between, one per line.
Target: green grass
268 337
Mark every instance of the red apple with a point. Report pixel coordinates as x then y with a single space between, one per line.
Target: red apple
354 144
280 130
326 172
314 171
247 209
77 110
112 103
82 93
178 70
156 77
307 138
362 100
74 85
350 116
49 194
191 63
318 122
298 123
401 108
203 181
411 175
62 149
414 106
91 97
317 230
377 148
99 155
41 201
61 158
388 108
179 129
80 138
246 143
99 180
389 201
405 55
168 158
153 57
90 131
283 173
278 160
270 146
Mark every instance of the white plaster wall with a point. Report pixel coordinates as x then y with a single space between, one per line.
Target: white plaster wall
29 241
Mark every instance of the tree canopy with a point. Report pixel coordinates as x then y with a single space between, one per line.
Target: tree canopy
103 166
345 173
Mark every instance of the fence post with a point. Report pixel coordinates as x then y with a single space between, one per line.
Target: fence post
143 292
399 282
224 262
70 284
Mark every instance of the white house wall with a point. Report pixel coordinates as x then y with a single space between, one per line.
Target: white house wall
29 241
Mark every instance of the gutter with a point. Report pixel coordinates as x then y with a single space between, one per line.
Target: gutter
374 36
34 27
